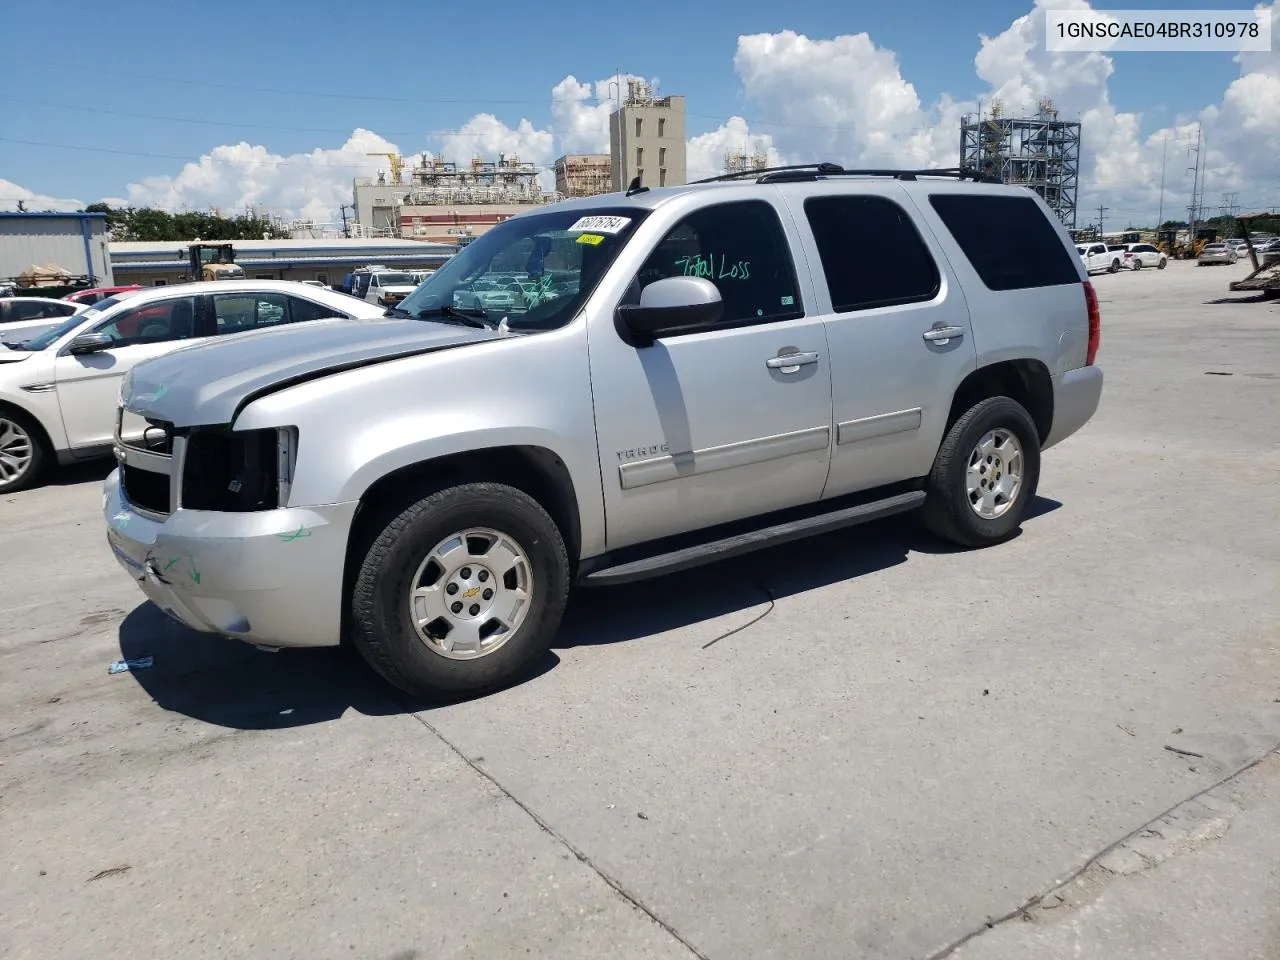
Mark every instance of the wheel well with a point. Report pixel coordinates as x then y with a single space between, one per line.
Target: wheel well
1026 381
42 435
535 470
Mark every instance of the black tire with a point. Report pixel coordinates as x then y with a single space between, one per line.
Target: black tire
380 626
39 460
1137 263
1161 264
1115 266
947 511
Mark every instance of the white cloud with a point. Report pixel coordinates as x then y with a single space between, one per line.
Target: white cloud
486 135
235 176
706 153
843 99
11 193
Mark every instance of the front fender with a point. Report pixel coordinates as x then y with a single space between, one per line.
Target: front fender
358 426
42 404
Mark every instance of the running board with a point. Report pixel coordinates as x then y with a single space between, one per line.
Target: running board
684 559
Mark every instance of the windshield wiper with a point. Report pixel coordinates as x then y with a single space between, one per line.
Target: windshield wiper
464 317
397 312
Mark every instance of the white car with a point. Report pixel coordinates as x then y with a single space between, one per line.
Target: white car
22 318
59 390
1098 256
1139 255
388 288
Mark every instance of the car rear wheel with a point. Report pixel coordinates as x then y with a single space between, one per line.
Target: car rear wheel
22 453
1115 265
985 474
1160 265
462 592
1137 263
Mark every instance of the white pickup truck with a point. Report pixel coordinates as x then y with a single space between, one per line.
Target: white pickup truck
1099 256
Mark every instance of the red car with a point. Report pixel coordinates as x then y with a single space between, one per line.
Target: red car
98 293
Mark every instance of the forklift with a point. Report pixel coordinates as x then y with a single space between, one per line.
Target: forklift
1169 244
215 260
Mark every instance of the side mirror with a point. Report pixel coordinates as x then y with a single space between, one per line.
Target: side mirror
90 343
670 306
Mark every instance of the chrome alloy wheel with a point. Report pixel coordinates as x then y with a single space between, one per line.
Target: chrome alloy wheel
471 593
16 450
994 473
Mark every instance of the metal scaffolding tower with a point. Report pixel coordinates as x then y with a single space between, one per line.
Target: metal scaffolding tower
1040 152
739 161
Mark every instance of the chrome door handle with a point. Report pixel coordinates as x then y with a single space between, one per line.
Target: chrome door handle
942 334
790 362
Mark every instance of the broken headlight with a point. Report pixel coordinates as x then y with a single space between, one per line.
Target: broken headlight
237 471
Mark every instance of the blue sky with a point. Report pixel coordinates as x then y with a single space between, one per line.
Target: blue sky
404 70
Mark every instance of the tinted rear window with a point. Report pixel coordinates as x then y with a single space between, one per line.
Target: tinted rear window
1037 258
841 226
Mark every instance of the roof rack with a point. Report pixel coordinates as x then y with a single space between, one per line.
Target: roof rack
823 167
797 172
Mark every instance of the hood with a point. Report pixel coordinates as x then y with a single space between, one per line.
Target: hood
12 356
209 382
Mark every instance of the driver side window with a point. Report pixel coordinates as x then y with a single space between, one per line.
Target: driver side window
741 248
154 323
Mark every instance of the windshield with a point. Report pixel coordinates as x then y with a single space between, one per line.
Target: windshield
50 337
533 271
395 279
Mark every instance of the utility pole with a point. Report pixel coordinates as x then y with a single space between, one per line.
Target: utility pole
1101 211
1193 208
1164 154
346 231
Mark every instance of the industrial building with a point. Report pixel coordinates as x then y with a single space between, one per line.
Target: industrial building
61 248
375 199
583 175
448 202
741 162
646 139
158 263
1040 152
440 201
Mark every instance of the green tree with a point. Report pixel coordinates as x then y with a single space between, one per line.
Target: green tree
151 224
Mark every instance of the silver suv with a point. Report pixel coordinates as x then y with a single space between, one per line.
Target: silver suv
689 373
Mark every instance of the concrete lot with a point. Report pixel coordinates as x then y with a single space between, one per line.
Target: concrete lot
903 745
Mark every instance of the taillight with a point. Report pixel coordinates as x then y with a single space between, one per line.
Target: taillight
1095 323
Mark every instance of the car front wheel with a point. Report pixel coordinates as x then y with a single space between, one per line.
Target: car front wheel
1160 265
22 453
461 592
985 474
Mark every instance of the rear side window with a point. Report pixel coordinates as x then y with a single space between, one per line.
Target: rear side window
303 311
841 226
1037 258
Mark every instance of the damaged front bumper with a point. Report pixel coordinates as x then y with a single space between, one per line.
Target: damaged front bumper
269 577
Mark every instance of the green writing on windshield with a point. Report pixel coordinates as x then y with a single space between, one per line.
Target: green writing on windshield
700 266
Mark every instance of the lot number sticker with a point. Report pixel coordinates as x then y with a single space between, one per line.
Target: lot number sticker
594 239
600 224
